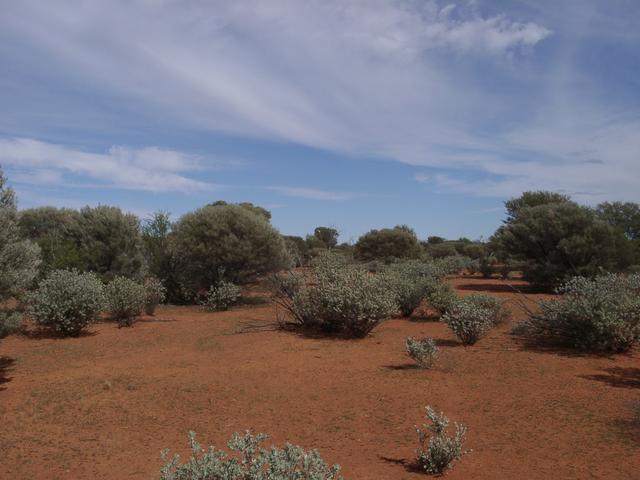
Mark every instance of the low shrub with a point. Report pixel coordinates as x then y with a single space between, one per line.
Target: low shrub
600 314
424 352
341 299
410 281
499 312
469 321
437 450
441 296
155 293
10 322
250 461
125 300
66 301
221 296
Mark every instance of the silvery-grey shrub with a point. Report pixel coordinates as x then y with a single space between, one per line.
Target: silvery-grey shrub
66 301
600 314
437 450
155 293
411 281
499 311
469 321
19 259
340 298
125 300
424 352
221 296
248 461
441 296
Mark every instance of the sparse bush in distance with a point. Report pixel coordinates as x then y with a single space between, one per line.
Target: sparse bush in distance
424 352
19 259
66 301
468 320
323 237
343 299
601 314
225 239
221 296
125 300
388 244
155 294
249 461
437 450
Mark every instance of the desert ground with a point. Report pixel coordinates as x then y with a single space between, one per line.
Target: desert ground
103 405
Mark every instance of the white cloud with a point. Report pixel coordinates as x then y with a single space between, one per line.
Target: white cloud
312 193
150 169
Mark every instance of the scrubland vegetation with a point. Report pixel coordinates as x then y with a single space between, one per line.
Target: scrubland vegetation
63 269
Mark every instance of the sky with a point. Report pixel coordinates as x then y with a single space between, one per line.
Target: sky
346 113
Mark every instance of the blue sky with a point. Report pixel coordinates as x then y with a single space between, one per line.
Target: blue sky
353 114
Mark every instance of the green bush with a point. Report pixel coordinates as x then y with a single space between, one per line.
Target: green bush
221 296
424 352
342 299
410 281
555 239
437 450
250 461
387 244
225 239
600 314
66 301
499 312
469 321
154 294
10 322
441 296
125 300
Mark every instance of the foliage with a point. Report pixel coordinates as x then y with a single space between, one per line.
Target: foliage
224 238
411 281
497 307
558 240
250 462
624 216
437 450
531 199
388 244
111 244
601 314
424 352
66 301
297 249
343 299
262 212
221 296
155 293
125 300
441 296
441 250
327 236
10 322
469 320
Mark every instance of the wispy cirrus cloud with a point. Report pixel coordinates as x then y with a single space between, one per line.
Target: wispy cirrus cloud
313 193
149 169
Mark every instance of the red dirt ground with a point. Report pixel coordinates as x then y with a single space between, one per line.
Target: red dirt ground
103 406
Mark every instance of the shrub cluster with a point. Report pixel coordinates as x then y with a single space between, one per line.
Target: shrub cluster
424 352
221 296
437 450
125 300
341 299
66 301
411 282
249 461
155 293
471 317
600 314
441 296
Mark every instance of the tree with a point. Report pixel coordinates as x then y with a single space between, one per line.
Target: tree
224 242
532 199
57 232
249 206
19 258
111 243
327 237
387 243
555 241
298 249
623 216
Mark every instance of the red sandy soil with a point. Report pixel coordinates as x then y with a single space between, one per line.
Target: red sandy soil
103 406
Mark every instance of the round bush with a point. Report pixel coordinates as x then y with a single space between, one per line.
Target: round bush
388 243
468 321
225 242
66 301
221 296
125 300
